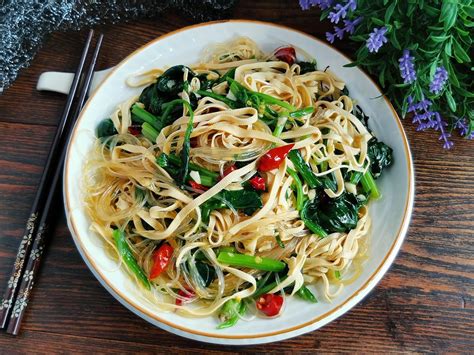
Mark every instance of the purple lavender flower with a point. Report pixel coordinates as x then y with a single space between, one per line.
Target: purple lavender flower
440 126
407 68
462 125
322 4
425 119
349 26
339 32
330 37
377 39
439 79
341 11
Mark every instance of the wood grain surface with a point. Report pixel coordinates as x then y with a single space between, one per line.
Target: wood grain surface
423 304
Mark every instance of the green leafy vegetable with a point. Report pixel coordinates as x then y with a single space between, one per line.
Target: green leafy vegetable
106 128
307 67
369 185
339 214
304 169
309 215
380 156
300 196
246 200
206 272
171 81
128 258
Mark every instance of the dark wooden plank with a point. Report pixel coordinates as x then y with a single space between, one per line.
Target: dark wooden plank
423 304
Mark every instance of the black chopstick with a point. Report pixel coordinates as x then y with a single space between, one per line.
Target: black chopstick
23 253
38 241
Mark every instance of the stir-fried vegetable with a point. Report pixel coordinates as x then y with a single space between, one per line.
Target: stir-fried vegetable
250 261
231 312
304 169
270 304
128 258
305 294
161 259
106 128
380 156
309 215
246 200
307 67
286 54
299 189
273 158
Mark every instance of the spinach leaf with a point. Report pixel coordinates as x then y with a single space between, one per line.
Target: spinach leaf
152 99
245 200
380 156
171 81
339 214
166 88
106 128
307 67
206 272
330 215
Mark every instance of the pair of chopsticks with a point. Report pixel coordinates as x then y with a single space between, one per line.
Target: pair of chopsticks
27 262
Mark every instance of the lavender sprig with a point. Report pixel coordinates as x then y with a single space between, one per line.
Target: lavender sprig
376 39
342 10
407 68
439 80
322 4
425 119
462 126
349 27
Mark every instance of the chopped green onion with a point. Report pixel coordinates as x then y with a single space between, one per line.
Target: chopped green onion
249 261
337 273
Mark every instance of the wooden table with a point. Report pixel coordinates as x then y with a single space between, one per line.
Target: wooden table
424 303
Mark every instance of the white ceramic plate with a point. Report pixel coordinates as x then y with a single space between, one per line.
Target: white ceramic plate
390 215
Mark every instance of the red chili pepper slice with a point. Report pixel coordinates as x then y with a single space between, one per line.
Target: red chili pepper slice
186 294
197 186
161 259
286 54
270 304
273 158
135 130
229 169
258 183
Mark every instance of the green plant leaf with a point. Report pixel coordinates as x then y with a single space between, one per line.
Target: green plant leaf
448 15
459 53
450 99
389 11
377 21
440 38
394 40
448 47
